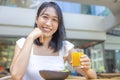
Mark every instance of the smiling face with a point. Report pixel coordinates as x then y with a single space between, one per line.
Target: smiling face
47 21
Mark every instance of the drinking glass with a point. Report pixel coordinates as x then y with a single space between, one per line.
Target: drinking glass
76 55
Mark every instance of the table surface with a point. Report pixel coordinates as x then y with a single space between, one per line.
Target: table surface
83 78
109 74
69 78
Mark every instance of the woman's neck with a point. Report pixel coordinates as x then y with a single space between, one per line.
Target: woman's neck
46 41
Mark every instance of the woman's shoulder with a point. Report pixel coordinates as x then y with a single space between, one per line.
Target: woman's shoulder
21 39
20 42
67 43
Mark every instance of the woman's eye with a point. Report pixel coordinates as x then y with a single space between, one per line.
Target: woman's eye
56 20
44 16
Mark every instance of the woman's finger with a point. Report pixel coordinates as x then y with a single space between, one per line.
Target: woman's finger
85 58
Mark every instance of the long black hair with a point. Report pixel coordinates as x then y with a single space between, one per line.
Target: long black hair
58 37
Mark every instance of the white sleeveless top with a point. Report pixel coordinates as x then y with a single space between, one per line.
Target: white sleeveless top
37 63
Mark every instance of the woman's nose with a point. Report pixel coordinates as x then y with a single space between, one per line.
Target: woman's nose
49 22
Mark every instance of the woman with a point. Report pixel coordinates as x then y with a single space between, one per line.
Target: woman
45 48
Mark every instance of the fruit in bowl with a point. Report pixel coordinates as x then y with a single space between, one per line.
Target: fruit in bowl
54 75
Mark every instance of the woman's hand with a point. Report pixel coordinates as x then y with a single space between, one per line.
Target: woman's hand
85 63
36 33
85 68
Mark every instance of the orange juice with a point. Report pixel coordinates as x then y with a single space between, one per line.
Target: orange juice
76 58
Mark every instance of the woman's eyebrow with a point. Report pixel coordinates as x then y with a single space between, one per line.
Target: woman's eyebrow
48 15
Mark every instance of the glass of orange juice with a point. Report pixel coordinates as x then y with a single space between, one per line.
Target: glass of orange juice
76 55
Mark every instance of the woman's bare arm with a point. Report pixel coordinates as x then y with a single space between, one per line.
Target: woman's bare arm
89 74
21 55
20 60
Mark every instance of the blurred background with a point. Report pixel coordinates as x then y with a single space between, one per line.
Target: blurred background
93 25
